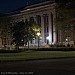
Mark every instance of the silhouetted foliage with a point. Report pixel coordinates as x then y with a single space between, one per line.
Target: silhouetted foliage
65 13
23 32
18 32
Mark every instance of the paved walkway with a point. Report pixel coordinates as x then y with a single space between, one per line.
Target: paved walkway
39 67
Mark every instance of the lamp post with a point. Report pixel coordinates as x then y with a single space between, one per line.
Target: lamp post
38 34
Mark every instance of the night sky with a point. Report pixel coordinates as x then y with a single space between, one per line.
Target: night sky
7 6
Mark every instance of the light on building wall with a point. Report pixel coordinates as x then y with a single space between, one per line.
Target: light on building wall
66 39
33 38
47 37
21 40
40 37
28 9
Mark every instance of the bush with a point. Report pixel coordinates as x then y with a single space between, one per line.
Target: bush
56 49
39 49
11 51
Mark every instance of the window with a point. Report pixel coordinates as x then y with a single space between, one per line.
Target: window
47 29
38 17
32 19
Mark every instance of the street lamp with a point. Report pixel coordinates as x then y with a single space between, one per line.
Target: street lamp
38 34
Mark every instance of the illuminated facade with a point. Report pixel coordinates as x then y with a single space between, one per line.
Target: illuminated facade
44 15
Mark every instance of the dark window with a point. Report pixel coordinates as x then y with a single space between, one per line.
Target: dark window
52 25
32 19
47 29
38 17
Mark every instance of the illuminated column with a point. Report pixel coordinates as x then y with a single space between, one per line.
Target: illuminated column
42 29
35 19
50 29
54 29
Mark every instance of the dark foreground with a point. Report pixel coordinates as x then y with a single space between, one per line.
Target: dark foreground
39 67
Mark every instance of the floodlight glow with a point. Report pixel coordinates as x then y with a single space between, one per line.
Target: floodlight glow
40 37
38 34
66 39
33 38
28 9
47 37
21 40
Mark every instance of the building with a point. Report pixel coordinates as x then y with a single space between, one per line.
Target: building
5 38
44 14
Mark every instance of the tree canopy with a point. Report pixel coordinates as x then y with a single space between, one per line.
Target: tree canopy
23 32
65 13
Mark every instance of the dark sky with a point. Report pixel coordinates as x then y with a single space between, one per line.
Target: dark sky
9 5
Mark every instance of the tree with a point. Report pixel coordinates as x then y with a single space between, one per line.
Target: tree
65 15
65 12
31 28
5 28
17 31
23 32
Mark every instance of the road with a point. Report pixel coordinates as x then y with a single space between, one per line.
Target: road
39 67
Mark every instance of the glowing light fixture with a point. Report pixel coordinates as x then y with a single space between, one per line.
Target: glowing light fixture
47 37
38 34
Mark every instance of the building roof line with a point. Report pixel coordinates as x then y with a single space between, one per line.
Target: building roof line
32 6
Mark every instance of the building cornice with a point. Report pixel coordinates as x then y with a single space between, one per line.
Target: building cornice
35 7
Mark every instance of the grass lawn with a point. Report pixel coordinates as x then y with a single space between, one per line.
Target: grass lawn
31 55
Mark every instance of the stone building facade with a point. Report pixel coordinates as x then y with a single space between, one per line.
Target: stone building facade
44 14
